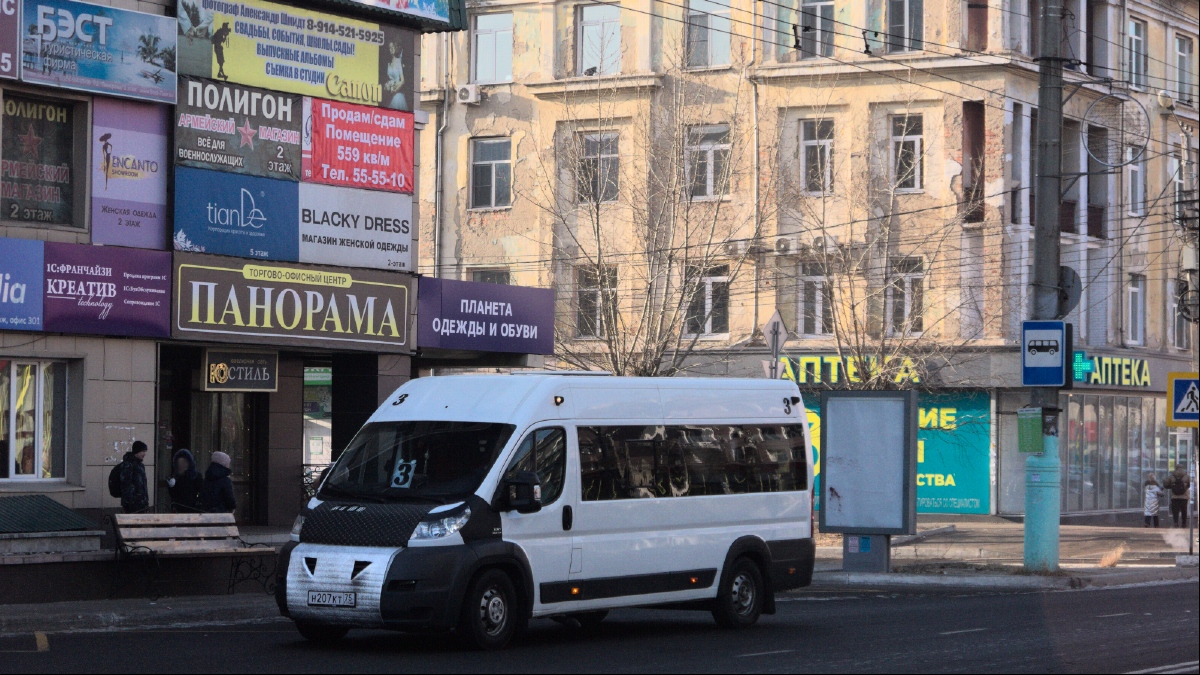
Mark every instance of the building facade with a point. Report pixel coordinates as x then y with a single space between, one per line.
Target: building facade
207 238
678 172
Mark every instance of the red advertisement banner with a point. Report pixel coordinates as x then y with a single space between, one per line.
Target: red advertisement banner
357 146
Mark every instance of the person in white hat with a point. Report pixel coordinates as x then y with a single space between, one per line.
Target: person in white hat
217 494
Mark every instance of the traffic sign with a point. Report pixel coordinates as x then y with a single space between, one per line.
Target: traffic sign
1183 400
775 333
1043 353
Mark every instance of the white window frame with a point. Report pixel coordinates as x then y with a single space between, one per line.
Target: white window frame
502 41
710 150
713 20
1178 181
491 206
1180 328
822 296
597 293
818 42
584 56
704 284
599 159
39 422
918 141
824 147
1136 193
1135 310
1136 53
1185 73
907 40
905 280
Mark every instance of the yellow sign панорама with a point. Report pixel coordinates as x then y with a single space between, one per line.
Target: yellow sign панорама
282 48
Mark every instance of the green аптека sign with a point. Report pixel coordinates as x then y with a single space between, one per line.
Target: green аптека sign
953 451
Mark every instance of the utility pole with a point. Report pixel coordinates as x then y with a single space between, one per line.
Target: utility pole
1043 474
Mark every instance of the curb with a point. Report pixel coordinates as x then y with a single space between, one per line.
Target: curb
1005 582
143 614
923 535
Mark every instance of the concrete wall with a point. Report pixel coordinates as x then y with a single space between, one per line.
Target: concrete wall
110 402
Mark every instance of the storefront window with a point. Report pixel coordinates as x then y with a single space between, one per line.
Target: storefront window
41 176
1136 447
1102 456
1121 446
318 410
1077 468
1115 455
1156 415
33 419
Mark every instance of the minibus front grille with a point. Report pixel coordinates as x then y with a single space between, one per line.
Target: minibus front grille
363 525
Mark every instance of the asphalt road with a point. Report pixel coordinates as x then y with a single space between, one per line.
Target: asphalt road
1147 629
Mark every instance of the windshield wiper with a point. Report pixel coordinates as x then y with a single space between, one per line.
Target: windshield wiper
335 491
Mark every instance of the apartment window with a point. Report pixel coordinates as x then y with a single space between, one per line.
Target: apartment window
596 297
1178 184
1181 328
599 40
599 168
33 419
977 25
906 25
1185 74
708 161
904 299
816 300
1137 53
708 33
708 312
908 152
1137 182
816 28
491 173
1135 302
1034 16
816 158
491 277
493 47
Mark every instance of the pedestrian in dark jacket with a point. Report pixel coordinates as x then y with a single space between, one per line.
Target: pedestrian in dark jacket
1179 486
185 483
217 494
135 498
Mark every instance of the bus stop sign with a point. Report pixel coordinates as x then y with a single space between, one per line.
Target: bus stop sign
1044 351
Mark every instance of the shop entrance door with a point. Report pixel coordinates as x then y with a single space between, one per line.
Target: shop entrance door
228 422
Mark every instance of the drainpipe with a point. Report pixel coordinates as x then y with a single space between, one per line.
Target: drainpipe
755 244
439 198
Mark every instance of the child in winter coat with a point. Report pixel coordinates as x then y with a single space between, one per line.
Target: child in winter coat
1150 500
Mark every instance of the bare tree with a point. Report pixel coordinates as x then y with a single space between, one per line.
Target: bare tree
891 279
646 185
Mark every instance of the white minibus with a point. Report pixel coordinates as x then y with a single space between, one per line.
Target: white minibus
474 503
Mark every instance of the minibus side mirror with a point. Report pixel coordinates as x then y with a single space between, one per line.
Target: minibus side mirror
523 492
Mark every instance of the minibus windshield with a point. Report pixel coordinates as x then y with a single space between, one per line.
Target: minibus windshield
426 461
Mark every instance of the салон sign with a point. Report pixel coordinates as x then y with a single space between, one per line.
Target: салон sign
230 300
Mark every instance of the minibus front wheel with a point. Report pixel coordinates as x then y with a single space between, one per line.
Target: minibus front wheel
490 611
321 634
740 597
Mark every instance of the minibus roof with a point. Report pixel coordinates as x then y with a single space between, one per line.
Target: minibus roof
535 397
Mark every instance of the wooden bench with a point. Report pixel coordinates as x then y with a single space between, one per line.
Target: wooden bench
143 539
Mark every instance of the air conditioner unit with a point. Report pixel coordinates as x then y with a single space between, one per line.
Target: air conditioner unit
735 249
786 246
469 94
827 243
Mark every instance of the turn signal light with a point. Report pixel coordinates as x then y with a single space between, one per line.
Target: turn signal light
695 580
574 590
791 570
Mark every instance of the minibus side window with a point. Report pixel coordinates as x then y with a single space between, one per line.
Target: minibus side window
543 451
692 460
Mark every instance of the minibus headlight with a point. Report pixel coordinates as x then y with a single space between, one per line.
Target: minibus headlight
438 528
297 526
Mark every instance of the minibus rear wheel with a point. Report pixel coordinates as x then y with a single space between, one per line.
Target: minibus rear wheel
740 597
321 634
490 611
